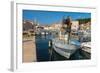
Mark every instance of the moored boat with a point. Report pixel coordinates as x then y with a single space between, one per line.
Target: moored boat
63 48
86 49
63 45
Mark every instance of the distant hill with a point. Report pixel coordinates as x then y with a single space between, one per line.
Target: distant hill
84 20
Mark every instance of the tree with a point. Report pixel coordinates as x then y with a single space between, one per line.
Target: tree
84 20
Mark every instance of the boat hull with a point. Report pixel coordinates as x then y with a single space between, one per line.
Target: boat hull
86 49
66 53
63 50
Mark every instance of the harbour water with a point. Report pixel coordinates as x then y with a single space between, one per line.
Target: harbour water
43 54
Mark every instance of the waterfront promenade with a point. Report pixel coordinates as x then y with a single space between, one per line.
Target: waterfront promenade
29 49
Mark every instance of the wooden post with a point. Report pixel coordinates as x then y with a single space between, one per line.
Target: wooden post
50 49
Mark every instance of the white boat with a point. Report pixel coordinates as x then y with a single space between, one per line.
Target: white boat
64 49
42 33
46 32
86 46
86 49
63 45
84 35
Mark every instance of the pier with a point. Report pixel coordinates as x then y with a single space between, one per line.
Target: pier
29 49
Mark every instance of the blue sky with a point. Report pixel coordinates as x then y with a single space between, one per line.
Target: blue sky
49 17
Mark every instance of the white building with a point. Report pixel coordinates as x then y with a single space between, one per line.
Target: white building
55 26
75 26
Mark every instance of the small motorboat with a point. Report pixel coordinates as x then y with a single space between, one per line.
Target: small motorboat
65 49
64 45
86 49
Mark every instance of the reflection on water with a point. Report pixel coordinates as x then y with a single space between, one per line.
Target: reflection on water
43 51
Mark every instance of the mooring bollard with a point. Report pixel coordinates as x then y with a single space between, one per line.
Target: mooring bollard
50 49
